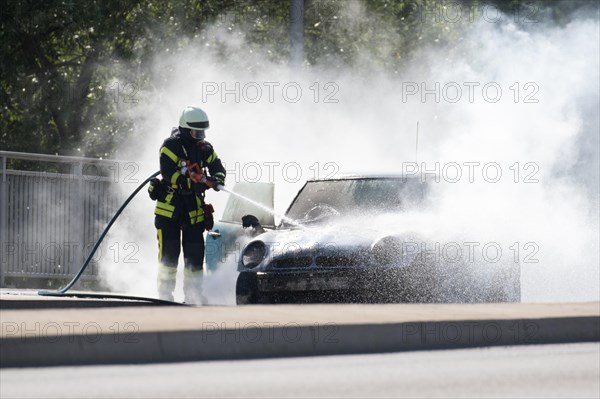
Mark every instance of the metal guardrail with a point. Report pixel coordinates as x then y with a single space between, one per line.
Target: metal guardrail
52 209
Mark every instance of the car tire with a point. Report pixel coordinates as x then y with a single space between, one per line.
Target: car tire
246 289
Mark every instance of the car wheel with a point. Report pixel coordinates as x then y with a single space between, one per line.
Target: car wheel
246 289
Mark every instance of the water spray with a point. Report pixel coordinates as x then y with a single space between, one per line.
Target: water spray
198 176
259 205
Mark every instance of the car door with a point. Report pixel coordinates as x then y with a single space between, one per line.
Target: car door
226 240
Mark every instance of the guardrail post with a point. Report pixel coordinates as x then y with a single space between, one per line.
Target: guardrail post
76 219
3 216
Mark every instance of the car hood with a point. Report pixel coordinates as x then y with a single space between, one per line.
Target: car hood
309 237
348 241
355 230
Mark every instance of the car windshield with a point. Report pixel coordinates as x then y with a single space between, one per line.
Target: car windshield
323 200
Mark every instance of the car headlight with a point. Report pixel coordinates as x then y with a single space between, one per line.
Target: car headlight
253 254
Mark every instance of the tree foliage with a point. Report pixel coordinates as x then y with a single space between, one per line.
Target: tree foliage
61 59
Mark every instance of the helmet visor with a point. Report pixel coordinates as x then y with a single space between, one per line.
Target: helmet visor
197 134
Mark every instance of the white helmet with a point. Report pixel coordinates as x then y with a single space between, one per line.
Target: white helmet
196 120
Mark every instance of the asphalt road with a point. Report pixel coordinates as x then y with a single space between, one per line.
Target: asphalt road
569 370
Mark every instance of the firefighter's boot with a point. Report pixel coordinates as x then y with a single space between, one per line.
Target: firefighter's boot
192 286
166 282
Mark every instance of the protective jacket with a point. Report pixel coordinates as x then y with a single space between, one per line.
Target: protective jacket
182 199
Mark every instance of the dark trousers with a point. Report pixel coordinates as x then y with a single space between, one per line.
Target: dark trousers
172 236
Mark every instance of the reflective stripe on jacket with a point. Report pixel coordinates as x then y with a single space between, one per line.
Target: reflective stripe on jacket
185 196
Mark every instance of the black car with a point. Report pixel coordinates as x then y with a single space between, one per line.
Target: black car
364 239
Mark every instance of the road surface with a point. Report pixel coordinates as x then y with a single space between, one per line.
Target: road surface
566 370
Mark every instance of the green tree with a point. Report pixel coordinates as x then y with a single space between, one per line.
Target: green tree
59 58
68 64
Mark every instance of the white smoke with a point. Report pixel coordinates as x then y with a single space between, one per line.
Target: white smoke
522 101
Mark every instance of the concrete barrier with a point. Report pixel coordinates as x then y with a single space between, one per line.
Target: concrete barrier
50 337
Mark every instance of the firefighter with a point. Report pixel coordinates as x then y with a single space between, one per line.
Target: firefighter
181 215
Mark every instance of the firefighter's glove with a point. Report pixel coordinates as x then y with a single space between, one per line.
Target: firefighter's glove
250 221
213 183
155 189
